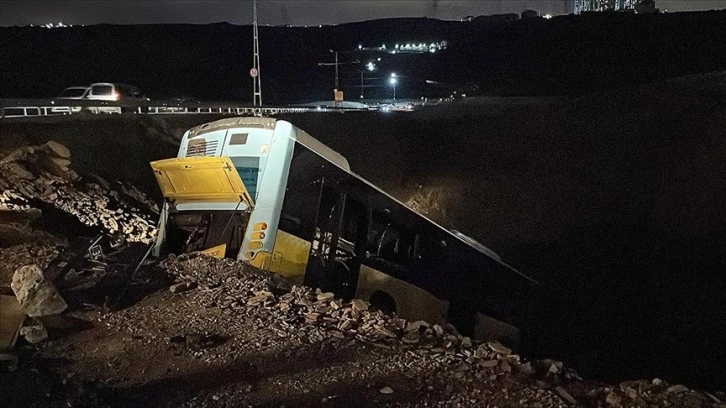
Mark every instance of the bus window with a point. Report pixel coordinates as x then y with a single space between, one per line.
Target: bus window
248 169
299 207
389 241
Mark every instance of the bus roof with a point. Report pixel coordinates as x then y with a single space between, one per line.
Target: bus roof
270 123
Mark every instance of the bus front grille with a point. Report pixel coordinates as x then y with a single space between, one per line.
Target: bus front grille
201 148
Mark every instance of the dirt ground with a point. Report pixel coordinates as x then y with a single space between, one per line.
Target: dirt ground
232 342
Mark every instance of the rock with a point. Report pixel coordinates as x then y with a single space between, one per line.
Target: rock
552 366
497 347
481 353
37 296
415 326
359 305
346 324
259 297
56 149
527 368
182 286
34 334
676 389
386 390
566 396
489 363
613 400
56 165
20 171
387 333
628 390
327 296
17 155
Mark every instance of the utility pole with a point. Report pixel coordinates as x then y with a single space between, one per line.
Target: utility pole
336 70
255 71
338 92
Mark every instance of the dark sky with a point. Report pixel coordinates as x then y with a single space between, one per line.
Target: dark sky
298 12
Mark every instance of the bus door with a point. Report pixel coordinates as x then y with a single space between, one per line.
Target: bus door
207 204
335 256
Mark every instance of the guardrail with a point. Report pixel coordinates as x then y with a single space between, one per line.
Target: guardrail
20 108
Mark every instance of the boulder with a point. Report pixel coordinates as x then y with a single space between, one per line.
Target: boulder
359 305
497 347
37 296
20 171
613 400
34 334
56 165
56 149
677 389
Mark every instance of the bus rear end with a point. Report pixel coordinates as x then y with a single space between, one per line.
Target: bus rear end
213 186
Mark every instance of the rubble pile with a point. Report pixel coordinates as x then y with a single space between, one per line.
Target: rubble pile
41 174
12 258
226 334
220 312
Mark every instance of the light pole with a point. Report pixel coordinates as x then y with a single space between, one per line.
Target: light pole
336 68
393 80
370 66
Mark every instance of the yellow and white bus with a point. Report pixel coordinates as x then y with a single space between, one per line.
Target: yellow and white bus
264 192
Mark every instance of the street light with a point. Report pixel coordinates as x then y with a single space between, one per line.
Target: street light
393 80
370 66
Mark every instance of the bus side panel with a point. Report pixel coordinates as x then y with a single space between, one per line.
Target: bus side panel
412 302
258 251
290 256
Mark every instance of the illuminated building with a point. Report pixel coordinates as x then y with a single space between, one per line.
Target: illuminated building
580 6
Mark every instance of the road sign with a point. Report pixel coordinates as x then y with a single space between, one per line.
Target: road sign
253 72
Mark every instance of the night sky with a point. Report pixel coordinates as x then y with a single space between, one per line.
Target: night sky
278 12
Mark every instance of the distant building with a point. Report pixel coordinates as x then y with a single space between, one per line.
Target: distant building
582 6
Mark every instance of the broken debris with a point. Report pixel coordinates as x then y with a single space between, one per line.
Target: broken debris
37 296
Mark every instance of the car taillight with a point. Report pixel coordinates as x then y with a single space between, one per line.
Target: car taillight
115 96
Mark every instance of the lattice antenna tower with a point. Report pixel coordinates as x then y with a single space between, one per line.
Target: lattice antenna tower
255 71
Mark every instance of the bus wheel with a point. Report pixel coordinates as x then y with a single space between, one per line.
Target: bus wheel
383 302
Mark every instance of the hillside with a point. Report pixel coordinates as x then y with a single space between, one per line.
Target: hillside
496 55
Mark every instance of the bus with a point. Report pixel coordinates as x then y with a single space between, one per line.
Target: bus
264 192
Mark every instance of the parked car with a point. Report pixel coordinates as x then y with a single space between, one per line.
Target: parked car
72 92
105 91
102 91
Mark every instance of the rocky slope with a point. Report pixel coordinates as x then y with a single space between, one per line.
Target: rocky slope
224 334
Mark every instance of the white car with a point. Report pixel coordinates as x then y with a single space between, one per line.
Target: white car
104 91
70 93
